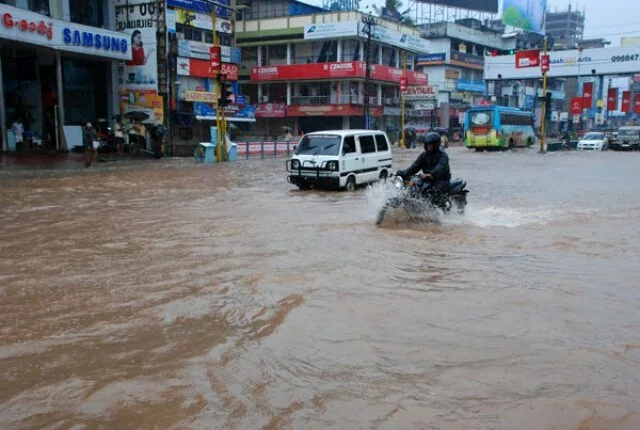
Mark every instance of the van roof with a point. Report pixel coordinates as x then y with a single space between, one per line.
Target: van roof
343 133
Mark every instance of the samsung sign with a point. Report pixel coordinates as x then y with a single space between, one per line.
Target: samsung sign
18 25
99 42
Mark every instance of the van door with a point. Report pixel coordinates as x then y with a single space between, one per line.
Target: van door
385 159
369 158
351 161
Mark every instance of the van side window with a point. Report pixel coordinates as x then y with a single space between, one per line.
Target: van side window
381 140
367 144
349 145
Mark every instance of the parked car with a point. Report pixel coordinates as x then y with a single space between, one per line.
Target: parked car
593 141
628 139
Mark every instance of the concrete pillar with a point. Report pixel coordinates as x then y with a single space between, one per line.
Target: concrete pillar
288 93
259 93
361 50
339 50
380 56
3 112
398 58
60 93
259 56
380 94
345 123
289 53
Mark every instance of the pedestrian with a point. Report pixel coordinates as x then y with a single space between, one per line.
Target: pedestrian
90 143
18 132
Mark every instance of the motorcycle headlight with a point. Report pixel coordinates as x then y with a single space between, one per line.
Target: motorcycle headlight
332 165
295 164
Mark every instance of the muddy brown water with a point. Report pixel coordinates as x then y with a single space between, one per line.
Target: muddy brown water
173 296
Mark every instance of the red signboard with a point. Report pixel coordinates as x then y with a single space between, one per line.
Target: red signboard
576 105
626 101
324 110
417 78
485 102
202 69
636 103
545 63
271 110
529 58
403 84
214 58
587 95
230 71
612 99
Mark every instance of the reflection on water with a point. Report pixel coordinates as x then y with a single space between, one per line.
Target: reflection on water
168 295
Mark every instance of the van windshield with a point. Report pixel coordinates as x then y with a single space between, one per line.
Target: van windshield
319 144
628 133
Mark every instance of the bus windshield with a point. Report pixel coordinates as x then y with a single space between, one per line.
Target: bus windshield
325 144
481 118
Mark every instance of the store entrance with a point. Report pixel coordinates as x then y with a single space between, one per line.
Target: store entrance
49 100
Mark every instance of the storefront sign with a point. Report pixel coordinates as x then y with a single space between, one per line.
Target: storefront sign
324 110
350 69
20 25
200 96
138 19
417 78
467 60
421 93
397 39
528 58
392 111
233 112
452 74
199 20
471 86
201 6
431 59
331 30
202 69
271 110
201 50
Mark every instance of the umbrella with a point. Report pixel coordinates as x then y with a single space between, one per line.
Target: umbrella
286 129
137 115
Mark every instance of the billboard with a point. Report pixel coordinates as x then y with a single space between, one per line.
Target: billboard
525 14
482 5
603 61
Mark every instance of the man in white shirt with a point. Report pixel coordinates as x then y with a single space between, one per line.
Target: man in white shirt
18 132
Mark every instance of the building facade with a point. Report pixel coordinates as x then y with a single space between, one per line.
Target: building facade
59 68
566 27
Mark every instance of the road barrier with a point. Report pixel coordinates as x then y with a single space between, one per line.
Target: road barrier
249 150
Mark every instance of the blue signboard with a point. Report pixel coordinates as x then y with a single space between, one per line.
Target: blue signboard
241 100
439 57
471 86
201 6
529 102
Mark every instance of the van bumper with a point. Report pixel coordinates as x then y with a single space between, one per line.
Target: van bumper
315 181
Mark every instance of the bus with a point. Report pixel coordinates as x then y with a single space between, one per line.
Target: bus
498 127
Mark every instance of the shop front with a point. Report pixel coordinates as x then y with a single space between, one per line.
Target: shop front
55 76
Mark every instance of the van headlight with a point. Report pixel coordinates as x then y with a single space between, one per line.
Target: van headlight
295 164
332 165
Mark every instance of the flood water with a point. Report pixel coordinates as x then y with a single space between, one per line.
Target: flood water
173 296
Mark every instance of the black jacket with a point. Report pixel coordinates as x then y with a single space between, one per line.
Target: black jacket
435 163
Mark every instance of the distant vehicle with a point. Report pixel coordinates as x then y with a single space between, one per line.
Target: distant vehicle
628 139
593 141
340 159
497 127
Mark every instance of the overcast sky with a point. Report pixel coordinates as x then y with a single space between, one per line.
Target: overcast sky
604 18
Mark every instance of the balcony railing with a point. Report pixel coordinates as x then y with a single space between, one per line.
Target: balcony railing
342 100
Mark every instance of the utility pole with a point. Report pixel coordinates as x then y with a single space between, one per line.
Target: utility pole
403 89
369 21
544 66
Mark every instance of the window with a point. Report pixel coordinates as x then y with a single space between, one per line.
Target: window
515 119
367 144
381 140
325 144
349 145
38 6
88 12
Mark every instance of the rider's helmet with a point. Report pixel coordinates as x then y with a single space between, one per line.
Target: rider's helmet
432 141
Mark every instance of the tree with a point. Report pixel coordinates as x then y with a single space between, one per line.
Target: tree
395 6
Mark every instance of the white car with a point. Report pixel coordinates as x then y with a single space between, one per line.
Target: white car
593 141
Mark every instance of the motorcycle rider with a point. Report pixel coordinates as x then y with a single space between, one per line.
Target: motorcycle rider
433 162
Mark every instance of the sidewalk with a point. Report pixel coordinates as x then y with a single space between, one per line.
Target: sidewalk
57 161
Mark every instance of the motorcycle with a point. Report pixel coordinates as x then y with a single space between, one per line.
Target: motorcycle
416 196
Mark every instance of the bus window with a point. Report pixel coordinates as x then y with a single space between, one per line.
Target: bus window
480 118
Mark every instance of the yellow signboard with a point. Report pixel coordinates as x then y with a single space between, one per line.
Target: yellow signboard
199 96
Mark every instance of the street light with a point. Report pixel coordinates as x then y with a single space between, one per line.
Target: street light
368 21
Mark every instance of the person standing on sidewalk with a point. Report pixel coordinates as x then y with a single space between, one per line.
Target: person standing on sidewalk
18 132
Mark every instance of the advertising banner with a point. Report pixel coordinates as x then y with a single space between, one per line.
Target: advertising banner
201 6
525 14
148 102
331 30
397 39
202 69
576 105
138 19
528 58
20 25
271 110
587 95
612 99
348 69
201 50
431 59
203 21
324 110
626 101
467 60
471 86
417 78
636 103
421 93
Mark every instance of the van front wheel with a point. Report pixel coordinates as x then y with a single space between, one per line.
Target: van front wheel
351 184
383 175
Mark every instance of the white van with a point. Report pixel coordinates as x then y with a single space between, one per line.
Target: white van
340 159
